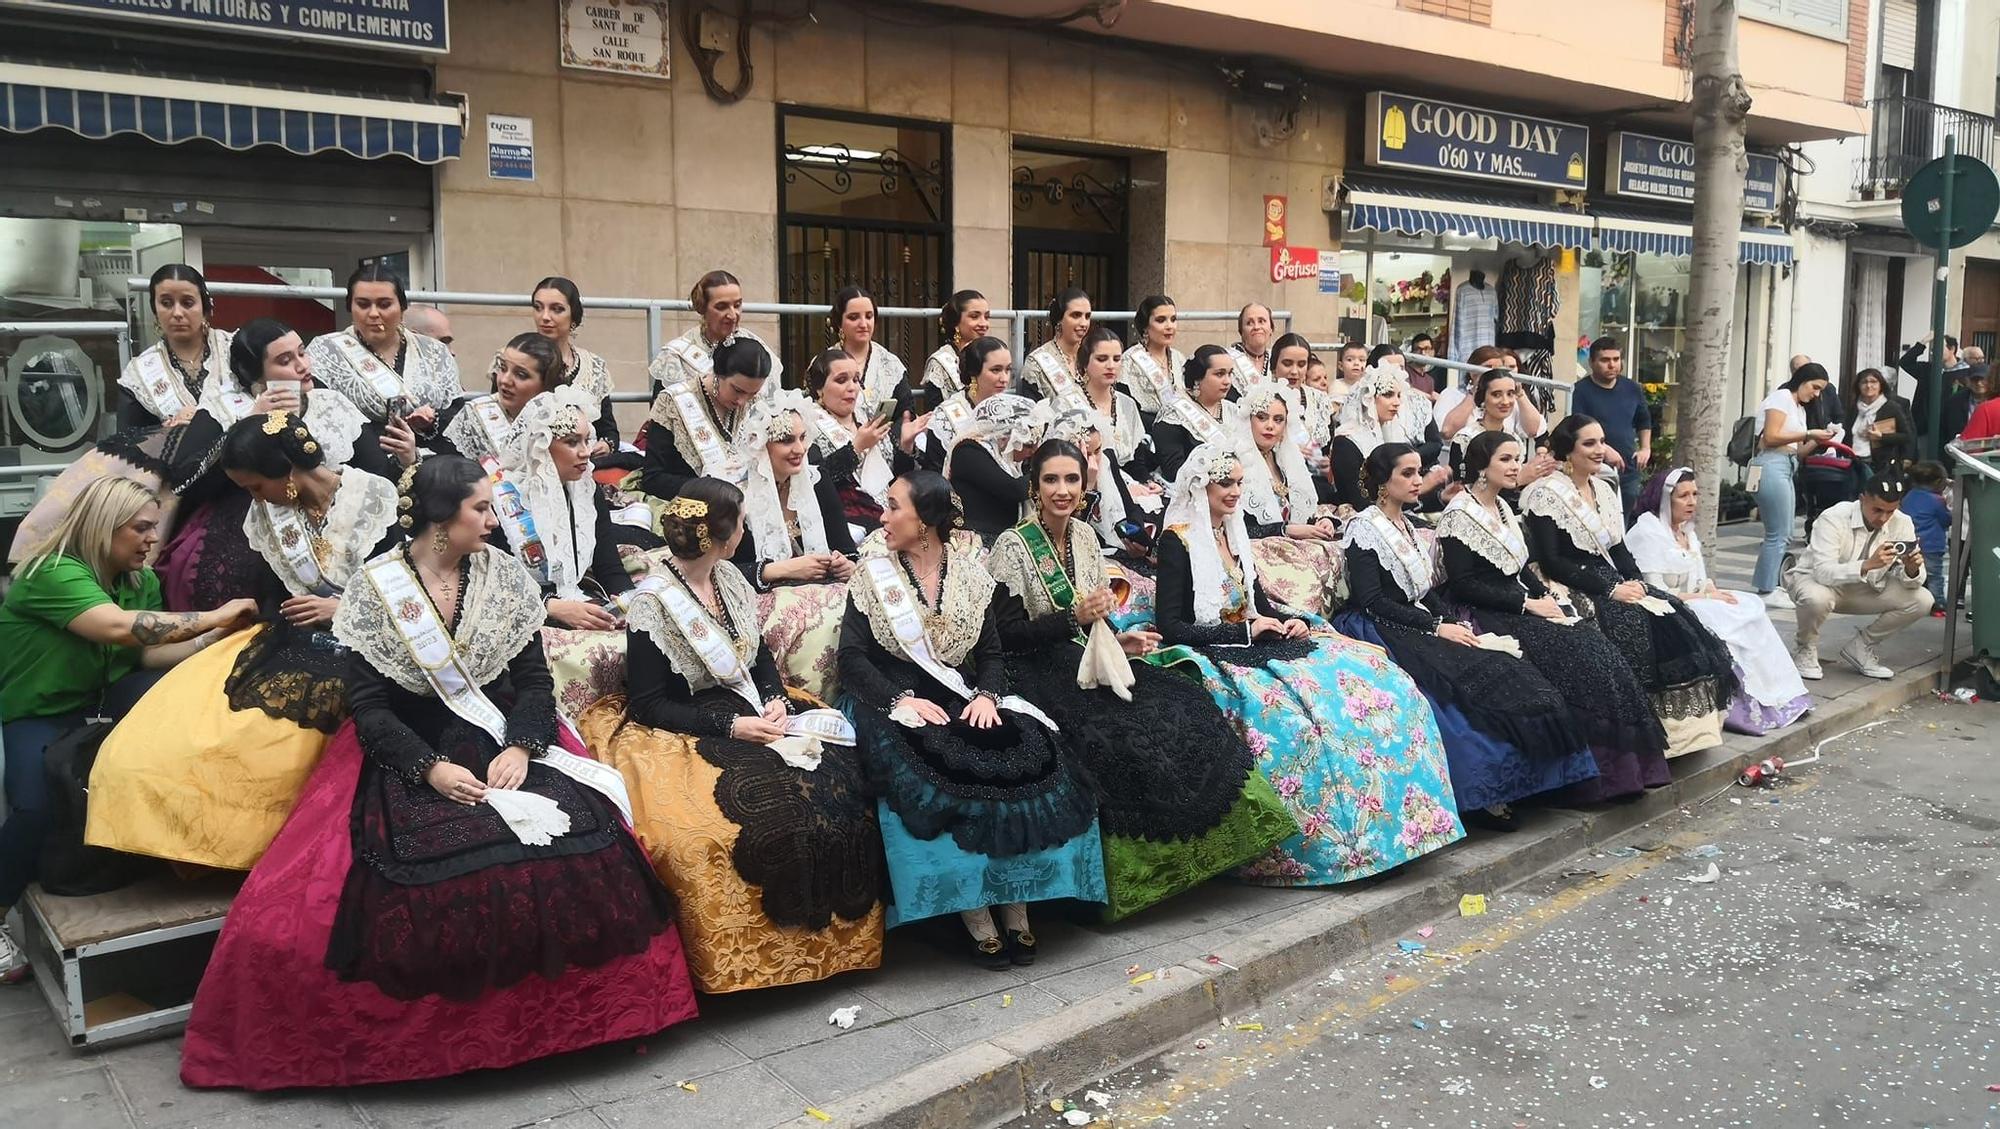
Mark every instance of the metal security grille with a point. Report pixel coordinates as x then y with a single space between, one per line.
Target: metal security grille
1070 224
900 268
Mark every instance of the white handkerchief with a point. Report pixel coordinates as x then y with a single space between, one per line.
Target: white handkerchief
1104 663
1503 643
905 715
534 819
1656 605
799 752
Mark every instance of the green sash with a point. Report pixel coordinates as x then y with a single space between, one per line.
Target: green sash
1056 582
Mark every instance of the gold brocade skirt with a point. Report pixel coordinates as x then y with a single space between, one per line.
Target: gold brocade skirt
795 830
187 778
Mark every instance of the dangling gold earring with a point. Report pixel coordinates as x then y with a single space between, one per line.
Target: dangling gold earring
291 491
439 541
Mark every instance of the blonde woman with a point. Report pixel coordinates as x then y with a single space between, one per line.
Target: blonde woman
82 634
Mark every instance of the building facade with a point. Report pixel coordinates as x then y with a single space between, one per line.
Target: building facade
915 149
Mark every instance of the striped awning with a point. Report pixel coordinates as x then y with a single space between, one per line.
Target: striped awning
100 104
1413 211
1649 236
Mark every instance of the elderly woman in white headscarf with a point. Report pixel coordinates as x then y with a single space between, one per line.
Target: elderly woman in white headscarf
1382 409
984 466
797 549
1342 734
1282 507
1668 552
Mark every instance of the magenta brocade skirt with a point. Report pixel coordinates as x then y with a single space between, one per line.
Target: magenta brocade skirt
270 1014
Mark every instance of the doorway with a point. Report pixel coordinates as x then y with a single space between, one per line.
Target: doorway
1071 227
1979 319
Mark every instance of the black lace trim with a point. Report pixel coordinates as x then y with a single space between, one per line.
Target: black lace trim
294 675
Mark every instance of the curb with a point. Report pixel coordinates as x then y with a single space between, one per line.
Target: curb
1012 1075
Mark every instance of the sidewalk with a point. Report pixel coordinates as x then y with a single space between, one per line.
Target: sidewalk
937 1041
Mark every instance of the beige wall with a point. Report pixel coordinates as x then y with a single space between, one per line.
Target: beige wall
642 185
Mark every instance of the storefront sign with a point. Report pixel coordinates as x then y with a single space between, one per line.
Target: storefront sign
1329 274
1444 137
510 147
1660 168
1274 221
620 36
386 25
1290 264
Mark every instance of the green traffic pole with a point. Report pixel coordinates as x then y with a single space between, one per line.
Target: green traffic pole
1940 287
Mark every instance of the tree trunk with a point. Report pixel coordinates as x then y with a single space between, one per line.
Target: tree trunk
1721 105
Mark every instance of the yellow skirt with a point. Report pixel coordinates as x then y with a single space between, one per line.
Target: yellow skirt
185 777
731 943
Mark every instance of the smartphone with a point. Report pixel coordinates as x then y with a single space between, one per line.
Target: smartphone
884 411
1135 532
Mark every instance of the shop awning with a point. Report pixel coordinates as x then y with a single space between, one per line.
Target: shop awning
1413 211
100 104
1661 237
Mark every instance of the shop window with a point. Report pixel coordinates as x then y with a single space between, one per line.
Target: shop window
1643 306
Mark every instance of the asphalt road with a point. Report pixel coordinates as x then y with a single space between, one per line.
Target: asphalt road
1839 970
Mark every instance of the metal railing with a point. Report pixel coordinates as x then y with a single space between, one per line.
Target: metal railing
1957 551
1557 386
64 329
1906 133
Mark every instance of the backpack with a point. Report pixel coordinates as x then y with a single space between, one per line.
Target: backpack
1742 441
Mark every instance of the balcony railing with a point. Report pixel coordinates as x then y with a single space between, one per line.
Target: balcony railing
1905 133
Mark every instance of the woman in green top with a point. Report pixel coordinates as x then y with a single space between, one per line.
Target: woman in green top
82 633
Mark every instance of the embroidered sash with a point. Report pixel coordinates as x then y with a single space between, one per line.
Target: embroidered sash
1184 411
692 355
1246 375
1585 510
511 506
1151 370
423 633
491 419
1505 533
1056 582
379 377
900 605
164 395
715 461
1410 565
289 533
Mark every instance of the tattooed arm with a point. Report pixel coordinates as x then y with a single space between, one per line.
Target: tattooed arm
156 630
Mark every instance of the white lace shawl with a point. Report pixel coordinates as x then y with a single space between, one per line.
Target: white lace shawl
667 368
1413 566
215 370
1593 525
335 423
1013 565
1357 415
1150 391
880 378
1261 496
1188 508
1475 429
763 512
667 414
941 370
593 376
361 514
468 435
961 614
430 372
502 613
873 472
1498 539
565 513
645 612
1049 370
1123 430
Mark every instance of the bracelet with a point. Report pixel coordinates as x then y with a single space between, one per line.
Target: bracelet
989 696
784 698
757 576
898 699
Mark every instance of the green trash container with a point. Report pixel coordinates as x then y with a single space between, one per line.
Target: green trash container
1982 504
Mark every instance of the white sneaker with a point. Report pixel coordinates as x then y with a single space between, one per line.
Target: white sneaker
1861 657
1779 598
13 962
1806 658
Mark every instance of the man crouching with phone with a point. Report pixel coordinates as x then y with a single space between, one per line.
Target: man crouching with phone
1863 559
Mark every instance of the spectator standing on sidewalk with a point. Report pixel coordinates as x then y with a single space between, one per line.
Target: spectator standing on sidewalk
1619 405
1913 362
1863 559
1784 435
1930 512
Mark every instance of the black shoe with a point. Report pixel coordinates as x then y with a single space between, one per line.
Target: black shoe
990 954
1021 946
1490 820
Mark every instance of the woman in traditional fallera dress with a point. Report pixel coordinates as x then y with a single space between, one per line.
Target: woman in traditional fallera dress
1667 550
1051 368
1198 414
691 428
1495 396
985 370
717 298
1381 409
1151 369
855 453
189 363
979 804
1292 533
558 311
984 466
1341 733
380 364
1576 536
1486 558
363 947
476 426
1178 795
206 767
964 319
750 802
1124 450
853 325
1507 732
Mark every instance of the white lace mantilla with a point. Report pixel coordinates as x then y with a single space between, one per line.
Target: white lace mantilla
565 513
1408 559
961 615
362 513
215 368
502 614
1497 538
645 612
1593 525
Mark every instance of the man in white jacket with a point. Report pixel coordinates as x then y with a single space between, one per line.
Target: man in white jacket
1863 559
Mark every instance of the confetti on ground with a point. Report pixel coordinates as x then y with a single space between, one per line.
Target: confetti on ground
1249 1027
818 1114
843 1017
1471 905
1597 1082
1141 978
1410 946
1426 932
1098 1098
689 1087
1419 1024
1133 969
1007 1000
1712 875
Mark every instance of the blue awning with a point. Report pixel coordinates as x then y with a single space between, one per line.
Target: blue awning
1413 211
1645 235
100 104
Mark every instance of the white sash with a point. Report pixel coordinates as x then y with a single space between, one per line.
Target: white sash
1187 413
1151 370
491 418
228 405
510 505
369 367
1585 510
692 356
165 396
1506 533
1247 375
288 532
874 473
900 605
1415 575
418 625
715 461
951 419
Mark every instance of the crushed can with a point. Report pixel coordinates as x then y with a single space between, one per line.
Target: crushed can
1761 773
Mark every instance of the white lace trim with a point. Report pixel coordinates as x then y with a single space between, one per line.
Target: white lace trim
335 423
1593 526
961 614
565 513
645 612
1498 539
502 613
1013 565
941 370
1411 565
361 514
430 374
